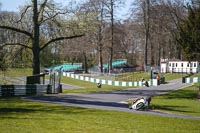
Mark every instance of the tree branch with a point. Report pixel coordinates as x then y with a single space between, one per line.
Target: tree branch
58 39
22 15
51 17
41 11
17 30
20 44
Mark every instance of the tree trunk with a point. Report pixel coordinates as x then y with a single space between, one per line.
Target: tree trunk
112 35
85 62
159 54
146 23
100 38
110 60
100 59
35 41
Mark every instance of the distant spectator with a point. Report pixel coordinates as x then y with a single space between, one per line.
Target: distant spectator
158 79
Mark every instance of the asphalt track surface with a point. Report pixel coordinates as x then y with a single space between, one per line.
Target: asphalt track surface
114 100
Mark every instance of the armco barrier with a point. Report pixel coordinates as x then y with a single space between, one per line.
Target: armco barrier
23 90
152 82
191 80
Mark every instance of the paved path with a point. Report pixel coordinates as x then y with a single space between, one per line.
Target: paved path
113 100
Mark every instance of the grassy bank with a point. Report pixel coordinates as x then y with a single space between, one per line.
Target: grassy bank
172 76
182 101
18 116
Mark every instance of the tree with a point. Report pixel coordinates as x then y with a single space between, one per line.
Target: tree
178 13
146 24
96 9
158 26
112 33
41 15
189 33
141 14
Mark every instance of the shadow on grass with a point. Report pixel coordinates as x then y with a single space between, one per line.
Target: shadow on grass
173 109
16 108
43 108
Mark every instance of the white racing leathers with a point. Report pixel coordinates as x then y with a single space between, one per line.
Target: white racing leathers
140 103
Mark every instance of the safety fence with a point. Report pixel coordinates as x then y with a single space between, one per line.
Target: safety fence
24 90
152 82
191 79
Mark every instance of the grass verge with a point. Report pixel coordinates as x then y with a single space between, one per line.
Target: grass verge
183 101
18 116
196 75
172 76
87 86
17 72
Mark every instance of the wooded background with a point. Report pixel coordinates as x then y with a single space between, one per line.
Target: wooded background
44 33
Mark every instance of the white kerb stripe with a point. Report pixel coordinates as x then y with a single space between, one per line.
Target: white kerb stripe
187 80
72 75
135 84
81 78
140 83
91 79
116 83
68 74
76 77
195 79
64 73
97 80
123 83
109 82
87 78
104 82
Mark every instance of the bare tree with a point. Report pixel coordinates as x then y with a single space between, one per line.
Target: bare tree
146 23
99 9
40 16
111 10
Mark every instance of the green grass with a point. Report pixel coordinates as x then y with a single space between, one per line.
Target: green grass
196 75
183 101
17 72
134 76
4 81
88 86
18 116
13 73
172 76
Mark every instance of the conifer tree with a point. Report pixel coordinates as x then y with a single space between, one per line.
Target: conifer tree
189 33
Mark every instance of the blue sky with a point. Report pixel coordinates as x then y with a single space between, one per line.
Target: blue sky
13 5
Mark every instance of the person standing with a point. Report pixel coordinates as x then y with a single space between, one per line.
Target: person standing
158 79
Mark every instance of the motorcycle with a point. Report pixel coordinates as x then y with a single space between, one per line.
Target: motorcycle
140 103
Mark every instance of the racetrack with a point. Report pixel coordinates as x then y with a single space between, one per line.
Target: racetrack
113 100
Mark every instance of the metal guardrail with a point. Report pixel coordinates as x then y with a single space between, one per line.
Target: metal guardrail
191 80
23 90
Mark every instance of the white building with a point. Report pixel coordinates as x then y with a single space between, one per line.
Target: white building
178 66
